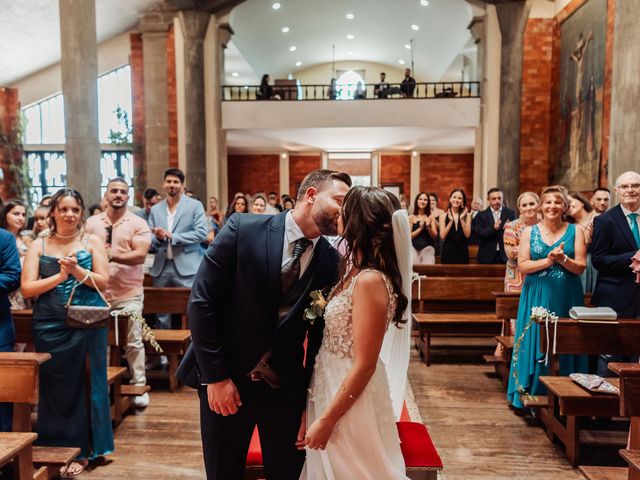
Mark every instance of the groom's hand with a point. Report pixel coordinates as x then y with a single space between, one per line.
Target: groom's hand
223 397
300 442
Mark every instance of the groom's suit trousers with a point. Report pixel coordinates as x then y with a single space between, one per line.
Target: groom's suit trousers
225 440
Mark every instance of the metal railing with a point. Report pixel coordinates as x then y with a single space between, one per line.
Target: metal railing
353 91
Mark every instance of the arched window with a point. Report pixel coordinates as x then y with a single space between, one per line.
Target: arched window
346 84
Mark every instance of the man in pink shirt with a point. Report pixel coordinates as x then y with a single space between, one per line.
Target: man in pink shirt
127 238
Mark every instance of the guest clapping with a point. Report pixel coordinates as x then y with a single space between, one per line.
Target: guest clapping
455 229
423 231
488 228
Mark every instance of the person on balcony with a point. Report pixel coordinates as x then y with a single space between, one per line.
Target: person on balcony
408 85
265 91
381 90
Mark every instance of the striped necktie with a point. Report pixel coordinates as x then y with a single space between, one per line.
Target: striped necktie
290 272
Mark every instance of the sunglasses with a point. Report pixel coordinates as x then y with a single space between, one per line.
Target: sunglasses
109 230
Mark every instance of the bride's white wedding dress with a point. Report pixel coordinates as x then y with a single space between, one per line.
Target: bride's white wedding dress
364 444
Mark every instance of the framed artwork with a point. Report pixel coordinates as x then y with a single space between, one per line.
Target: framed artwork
395 188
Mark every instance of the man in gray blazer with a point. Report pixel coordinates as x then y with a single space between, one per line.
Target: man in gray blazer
179 227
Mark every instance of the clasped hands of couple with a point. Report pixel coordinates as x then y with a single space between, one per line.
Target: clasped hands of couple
224 399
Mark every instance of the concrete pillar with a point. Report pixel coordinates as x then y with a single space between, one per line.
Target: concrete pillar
477 29
154 26
624 140
216 39
79 64
324 160
375 169
415 176
512 17
194 27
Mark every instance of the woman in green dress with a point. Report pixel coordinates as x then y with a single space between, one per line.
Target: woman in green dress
73 408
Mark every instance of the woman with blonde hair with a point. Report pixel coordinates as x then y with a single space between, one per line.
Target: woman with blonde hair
528 207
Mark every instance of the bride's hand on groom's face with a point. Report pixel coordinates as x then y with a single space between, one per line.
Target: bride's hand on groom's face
318 434
223 397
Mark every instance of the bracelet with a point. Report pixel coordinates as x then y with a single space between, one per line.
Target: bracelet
87 277
565 258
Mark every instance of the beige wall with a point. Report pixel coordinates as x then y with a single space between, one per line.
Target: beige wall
321 74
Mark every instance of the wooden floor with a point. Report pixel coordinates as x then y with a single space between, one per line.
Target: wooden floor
475 432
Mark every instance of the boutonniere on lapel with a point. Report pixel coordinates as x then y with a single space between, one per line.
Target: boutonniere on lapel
316 307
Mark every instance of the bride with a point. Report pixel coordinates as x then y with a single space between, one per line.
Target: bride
351 430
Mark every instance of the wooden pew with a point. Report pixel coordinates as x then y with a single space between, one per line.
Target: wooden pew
171 300
19 377
454 306
18 448
470 270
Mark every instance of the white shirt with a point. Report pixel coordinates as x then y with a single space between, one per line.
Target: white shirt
496 217
170 218
292 233
627 212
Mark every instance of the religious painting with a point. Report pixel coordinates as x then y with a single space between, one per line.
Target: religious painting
582 69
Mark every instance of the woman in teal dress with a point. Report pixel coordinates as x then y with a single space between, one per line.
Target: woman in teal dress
73 408
552 256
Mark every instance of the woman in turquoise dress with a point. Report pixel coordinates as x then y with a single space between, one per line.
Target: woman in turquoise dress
73 408
552 256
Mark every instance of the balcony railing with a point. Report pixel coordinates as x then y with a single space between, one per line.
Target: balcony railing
353 91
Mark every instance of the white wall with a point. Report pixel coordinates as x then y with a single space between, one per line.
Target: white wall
47 82
321 74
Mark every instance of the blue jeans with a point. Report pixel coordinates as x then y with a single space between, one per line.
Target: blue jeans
169 277
6 409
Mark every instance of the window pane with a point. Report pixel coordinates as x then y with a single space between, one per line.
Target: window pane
33 132
114 91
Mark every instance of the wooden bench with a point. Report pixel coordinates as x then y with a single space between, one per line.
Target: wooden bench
502 364
171 300
174 345
421 458
469 270
454 306
114 380
19 385
17 448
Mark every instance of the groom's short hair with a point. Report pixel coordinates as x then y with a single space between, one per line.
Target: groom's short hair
321 178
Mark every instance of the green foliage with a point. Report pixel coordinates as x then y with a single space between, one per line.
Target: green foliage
11 147
125 133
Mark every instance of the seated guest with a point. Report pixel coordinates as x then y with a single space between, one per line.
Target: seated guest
265 91
381 90
551 256
149 198
13 218
581 213
488 227
73 408
9 281
423 231
239 205
616 238
528 207
288 203
259 204
408 85
600 200
455 229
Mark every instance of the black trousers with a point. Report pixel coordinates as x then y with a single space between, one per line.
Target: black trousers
225 440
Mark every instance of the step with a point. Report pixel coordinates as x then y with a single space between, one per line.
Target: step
535 401
134 390
604 473
632 457
493 359
54 455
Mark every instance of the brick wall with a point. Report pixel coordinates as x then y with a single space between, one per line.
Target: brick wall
396 169
299 167
172 102
137 94
253 173
442 172
9 108
535 113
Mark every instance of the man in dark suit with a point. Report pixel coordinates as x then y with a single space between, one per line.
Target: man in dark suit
616 238
9 281
247 359
488 228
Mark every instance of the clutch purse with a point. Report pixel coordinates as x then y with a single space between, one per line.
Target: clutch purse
594 383
82 317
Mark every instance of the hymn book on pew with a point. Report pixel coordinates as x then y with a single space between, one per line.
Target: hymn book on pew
593 315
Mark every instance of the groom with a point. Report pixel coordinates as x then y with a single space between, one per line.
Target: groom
247 359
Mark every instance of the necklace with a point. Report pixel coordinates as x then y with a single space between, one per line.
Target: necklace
548 231
66 236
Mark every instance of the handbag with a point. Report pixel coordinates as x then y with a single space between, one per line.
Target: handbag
82 317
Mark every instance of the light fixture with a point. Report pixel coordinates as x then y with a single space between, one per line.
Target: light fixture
349 52
235 74
298 63
276 6
415 27
350 16
283 155
407 46
246 87
350 36
401 62
292 48
424 3
414 153
285 29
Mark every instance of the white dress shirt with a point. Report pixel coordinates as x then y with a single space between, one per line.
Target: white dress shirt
496 217
627 212
292 233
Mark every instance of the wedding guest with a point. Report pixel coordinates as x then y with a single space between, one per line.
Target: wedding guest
433 204
13 218
44 202
332 91
488 227
265 91
600 200
259 204
581 213
239 205
95 209
408 85
455 229
528 207
41 222
273 206
404 202
149 198
616 239
127 238
551 256
381 89
214 215
9 281
476 207
423 231
288 203
73 407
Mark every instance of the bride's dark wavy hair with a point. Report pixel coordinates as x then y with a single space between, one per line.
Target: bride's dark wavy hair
368 237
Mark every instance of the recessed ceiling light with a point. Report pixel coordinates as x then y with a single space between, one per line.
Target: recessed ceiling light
350 16
415 27
276 6
235 74
401 62
285 29
292 48
246 87
407 46
349 52
298 63
350 37
424 3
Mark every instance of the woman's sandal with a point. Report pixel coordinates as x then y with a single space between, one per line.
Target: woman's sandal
82 466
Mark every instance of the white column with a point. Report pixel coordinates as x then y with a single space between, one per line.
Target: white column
415 175
375 169
284 173
324 160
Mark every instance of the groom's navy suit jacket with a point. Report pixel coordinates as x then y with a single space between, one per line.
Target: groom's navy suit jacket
233 308
612 247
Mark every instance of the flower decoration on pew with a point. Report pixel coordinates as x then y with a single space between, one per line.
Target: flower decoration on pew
136 316
541 315
316 307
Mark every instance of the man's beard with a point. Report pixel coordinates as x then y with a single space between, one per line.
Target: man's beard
326 223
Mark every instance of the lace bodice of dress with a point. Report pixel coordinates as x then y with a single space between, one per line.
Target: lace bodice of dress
338 329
